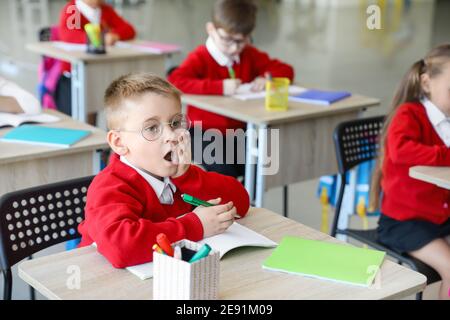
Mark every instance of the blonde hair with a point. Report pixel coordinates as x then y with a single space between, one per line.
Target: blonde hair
409 90
130 86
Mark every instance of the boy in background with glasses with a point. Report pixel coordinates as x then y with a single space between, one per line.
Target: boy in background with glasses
221 65
138 195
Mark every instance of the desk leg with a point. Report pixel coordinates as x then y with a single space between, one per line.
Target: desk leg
260 176
168 62
96 161
78 91
285 200
251 151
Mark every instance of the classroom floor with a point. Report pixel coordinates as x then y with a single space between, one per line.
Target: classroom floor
326 41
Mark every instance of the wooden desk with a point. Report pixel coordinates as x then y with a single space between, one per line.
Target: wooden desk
26 165
306 148
439 176
241 274
92 73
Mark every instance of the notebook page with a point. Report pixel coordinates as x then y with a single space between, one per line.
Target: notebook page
244 92
67 46
237 236
9 119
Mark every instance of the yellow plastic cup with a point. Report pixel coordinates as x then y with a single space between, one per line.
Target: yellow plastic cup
277 93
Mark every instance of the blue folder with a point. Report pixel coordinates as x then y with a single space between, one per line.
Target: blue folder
320 96
57 137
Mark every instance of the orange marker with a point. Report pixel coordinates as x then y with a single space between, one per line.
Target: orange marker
157 249
164 244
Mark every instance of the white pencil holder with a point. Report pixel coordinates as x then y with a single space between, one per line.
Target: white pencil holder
175 279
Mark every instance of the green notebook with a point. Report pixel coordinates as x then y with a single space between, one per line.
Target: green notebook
49 136
325 260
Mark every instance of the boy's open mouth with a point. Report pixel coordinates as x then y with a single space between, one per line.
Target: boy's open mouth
172 157
168 156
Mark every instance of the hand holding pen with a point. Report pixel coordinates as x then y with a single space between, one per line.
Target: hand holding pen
217 218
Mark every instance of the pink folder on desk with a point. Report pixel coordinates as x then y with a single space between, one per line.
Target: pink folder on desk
158 47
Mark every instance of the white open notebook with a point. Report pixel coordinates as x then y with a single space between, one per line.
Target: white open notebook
16 119
244 92
236 236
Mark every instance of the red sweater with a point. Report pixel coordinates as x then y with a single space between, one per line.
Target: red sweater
110 22
412 141
123 214
201 74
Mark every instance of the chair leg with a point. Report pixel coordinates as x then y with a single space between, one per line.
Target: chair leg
7 287
32 292
285 201
419 296
338 206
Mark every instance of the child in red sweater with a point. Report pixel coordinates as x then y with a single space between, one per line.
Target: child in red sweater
138 195
74 16
207 70
416 215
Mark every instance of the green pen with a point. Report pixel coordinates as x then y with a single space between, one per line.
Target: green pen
231 73
194 201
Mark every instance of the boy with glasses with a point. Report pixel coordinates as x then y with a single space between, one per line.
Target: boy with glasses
221 65
138 195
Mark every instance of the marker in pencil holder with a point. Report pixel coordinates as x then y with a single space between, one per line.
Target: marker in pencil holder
95 39
175 279
277 93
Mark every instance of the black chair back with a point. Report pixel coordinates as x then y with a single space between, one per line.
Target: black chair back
44 34
357 141
36 218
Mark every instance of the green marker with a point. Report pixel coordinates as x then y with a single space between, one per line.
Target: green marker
194 201
203 252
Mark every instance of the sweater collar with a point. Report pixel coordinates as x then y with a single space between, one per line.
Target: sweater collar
157 185
221 59
91 14
435 115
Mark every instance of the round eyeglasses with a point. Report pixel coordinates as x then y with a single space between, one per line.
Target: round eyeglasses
229 41
153 128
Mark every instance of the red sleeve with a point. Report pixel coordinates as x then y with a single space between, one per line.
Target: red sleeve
190 77
263 63
114 221
210 185
68 30
117 24
405 145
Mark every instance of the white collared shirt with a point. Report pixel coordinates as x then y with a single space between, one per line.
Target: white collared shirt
164 189
28 103
222 59
92 14
438 119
